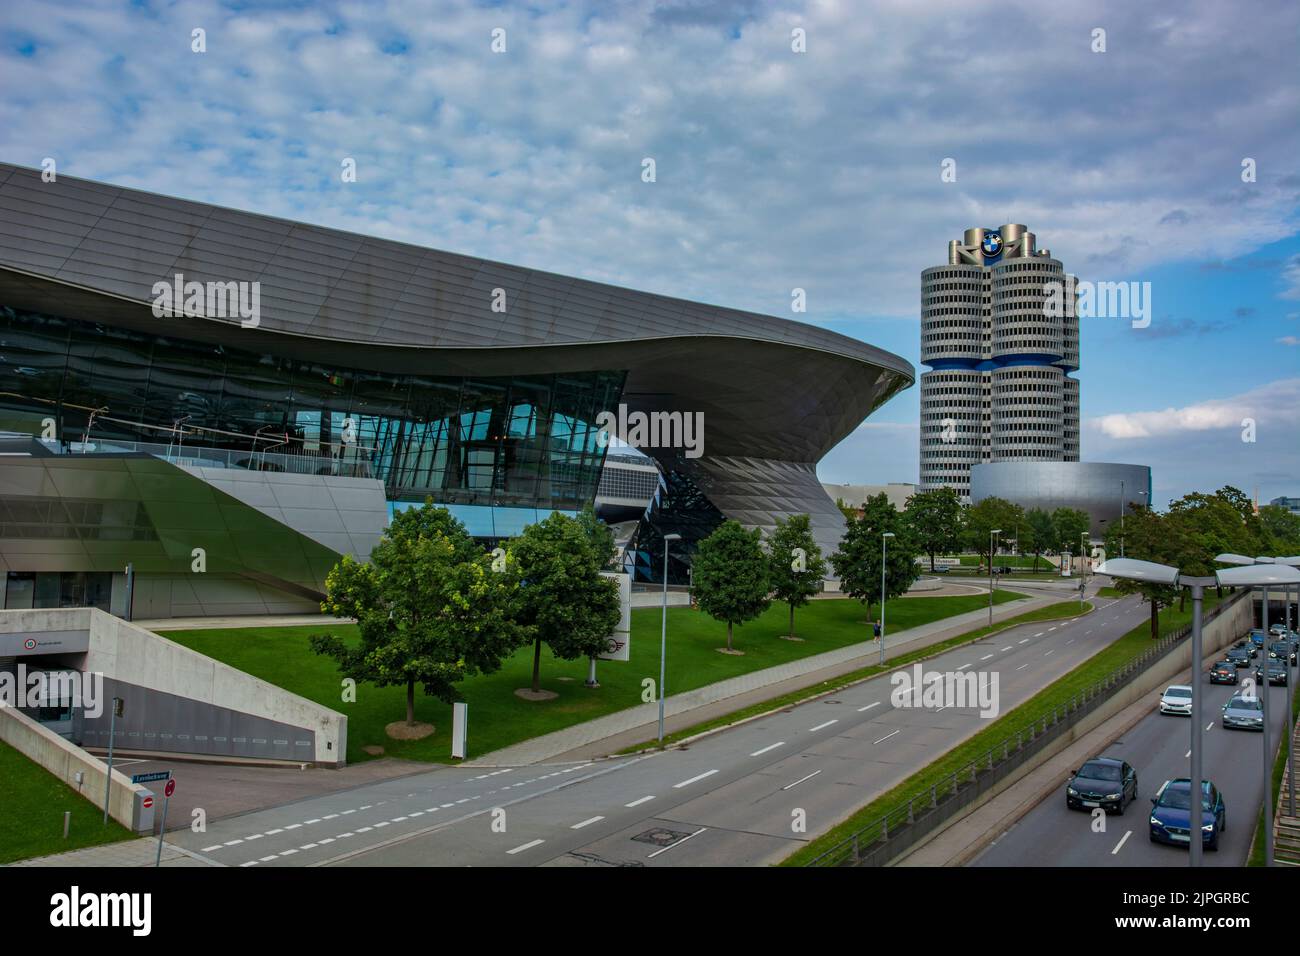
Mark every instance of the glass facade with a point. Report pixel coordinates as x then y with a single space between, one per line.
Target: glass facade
678 507
523 440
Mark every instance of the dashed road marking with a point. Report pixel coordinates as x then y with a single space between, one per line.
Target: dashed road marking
586 823
526 846
759 753
637 803
1122 840
695 779
791 786
869 706
887 736
812 730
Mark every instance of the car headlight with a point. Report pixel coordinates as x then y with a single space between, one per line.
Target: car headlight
1156 823
1071 791
1113 796
1208 828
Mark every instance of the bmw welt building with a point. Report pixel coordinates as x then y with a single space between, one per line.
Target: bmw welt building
228 402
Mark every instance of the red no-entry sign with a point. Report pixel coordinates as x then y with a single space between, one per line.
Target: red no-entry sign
170 788
147 803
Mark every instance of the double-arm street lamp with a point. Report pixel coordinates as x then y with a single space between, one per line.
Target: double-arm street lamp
991 534
887 534
1148 572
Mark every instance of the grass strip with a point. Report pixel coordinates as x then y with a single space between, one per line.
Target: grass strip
1029 714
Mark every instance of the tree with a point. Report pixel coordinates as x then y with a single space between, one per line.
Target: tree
796 567
729 575
934 518
563 601
1281 529
600 535
1150 536
1041 533
1071 525
857 562
983 518
847 510
428 606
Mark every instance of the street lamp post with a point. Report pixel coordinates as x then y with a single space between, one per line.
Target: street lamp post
1160 574
991 534
887 534
663 637
1083 568
1121 517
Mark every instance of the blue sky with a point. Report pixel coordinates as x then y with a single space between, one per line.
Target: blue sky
775 170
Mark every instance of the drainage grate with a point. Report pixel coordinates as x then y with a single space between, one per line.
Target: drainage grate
661 836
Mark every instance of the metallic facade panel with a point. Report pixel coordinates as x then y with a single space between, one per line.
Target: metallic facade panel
1094 487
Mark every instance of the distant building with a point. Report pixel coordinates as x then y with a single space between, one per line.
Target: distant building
1290 504
856 495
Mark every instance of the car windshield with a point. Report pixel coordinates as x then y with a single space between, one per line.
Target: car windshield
1178 692
1181 799
1099 771
1243 703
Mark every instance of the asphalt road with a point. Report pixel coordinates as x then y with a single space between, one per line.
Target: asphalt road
1158 748
734 798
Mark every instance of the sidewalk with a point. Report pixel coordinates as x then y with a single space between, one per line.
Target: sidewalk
141 852
626 728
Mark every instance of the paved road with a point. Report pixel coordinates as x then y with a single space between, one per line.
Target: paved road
1158 749
728 799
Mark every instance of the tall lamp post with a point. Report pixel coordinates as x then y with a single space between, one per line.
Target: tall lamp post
887 534
1148 572
1121 517
991 534
663 636
1083 568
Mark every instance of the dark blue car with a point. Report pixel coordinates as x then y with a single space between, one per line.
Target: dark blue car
1171 813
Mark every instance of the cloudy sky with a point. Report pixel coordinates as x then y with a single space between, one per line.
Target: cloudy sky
774 169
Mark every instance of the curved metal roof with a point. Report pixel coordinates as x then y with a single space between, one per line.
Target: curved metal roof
767 387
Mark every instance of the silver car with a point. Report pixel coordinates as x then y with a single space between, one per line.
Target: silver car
1243 713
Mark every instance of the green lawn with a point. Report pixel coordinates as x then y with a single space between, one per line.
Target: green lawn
1031 713
33 802
497 718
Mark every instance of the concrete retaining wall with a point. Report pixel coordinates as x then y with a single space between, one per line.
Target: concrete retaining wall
126 652
65 760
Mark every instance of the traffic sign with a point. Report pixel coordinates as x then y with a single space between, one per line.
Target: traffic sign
170 788
151 777
147 802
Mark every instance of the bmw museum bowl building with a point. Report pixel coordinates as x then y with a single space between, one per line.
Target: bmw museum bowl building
186 388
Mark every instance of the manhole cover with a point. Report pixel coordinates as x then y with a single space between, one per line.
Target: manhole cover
661 836
832 701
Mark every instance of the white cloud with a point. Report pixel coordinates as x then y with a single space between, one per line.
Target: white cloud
1273 403
1289 340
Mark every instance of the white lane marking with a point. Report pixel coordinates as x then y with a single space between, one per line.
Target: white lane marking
586 823
1122 840
308 822
527 846
364 829
1040 634
255 836
868 707
1049 653
1086 633
344 836
759 753
288 852
249 863
325 840
268 859
232 842
1022 667
308 846
1025 641
273 832
791 786
1053 628
812 730
397 819
986 657
1070 641
1210 725
678 843
1186 755
887 736
293 826
346 812
637 803
330 817
1007 648
963 667
207 849
695 779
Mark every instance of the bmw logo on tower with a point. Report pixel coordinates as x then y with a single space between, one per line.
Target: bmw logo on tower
992 244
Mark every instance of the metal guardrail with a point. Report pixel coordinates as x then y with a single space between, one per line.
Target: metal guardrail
905 825
301 463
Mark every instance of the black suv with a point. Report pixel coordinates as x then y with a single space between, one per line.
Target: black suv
1223 672
1239 656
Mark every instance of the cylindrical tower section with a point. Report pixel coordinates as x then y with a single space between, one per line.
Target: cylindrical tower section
1070 419
1027 413
1022 326
952 314
952 428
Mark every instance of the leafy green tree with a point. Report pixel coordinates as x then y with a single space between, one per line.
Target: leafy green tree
600 535
796 567
1038 533
428 607
984 517
729 575
847 510
563 601
1150 536
1281 529
935 519
857 562
1071 525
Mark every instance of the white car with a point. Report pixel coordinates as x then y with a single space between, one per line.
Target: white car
1177 699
